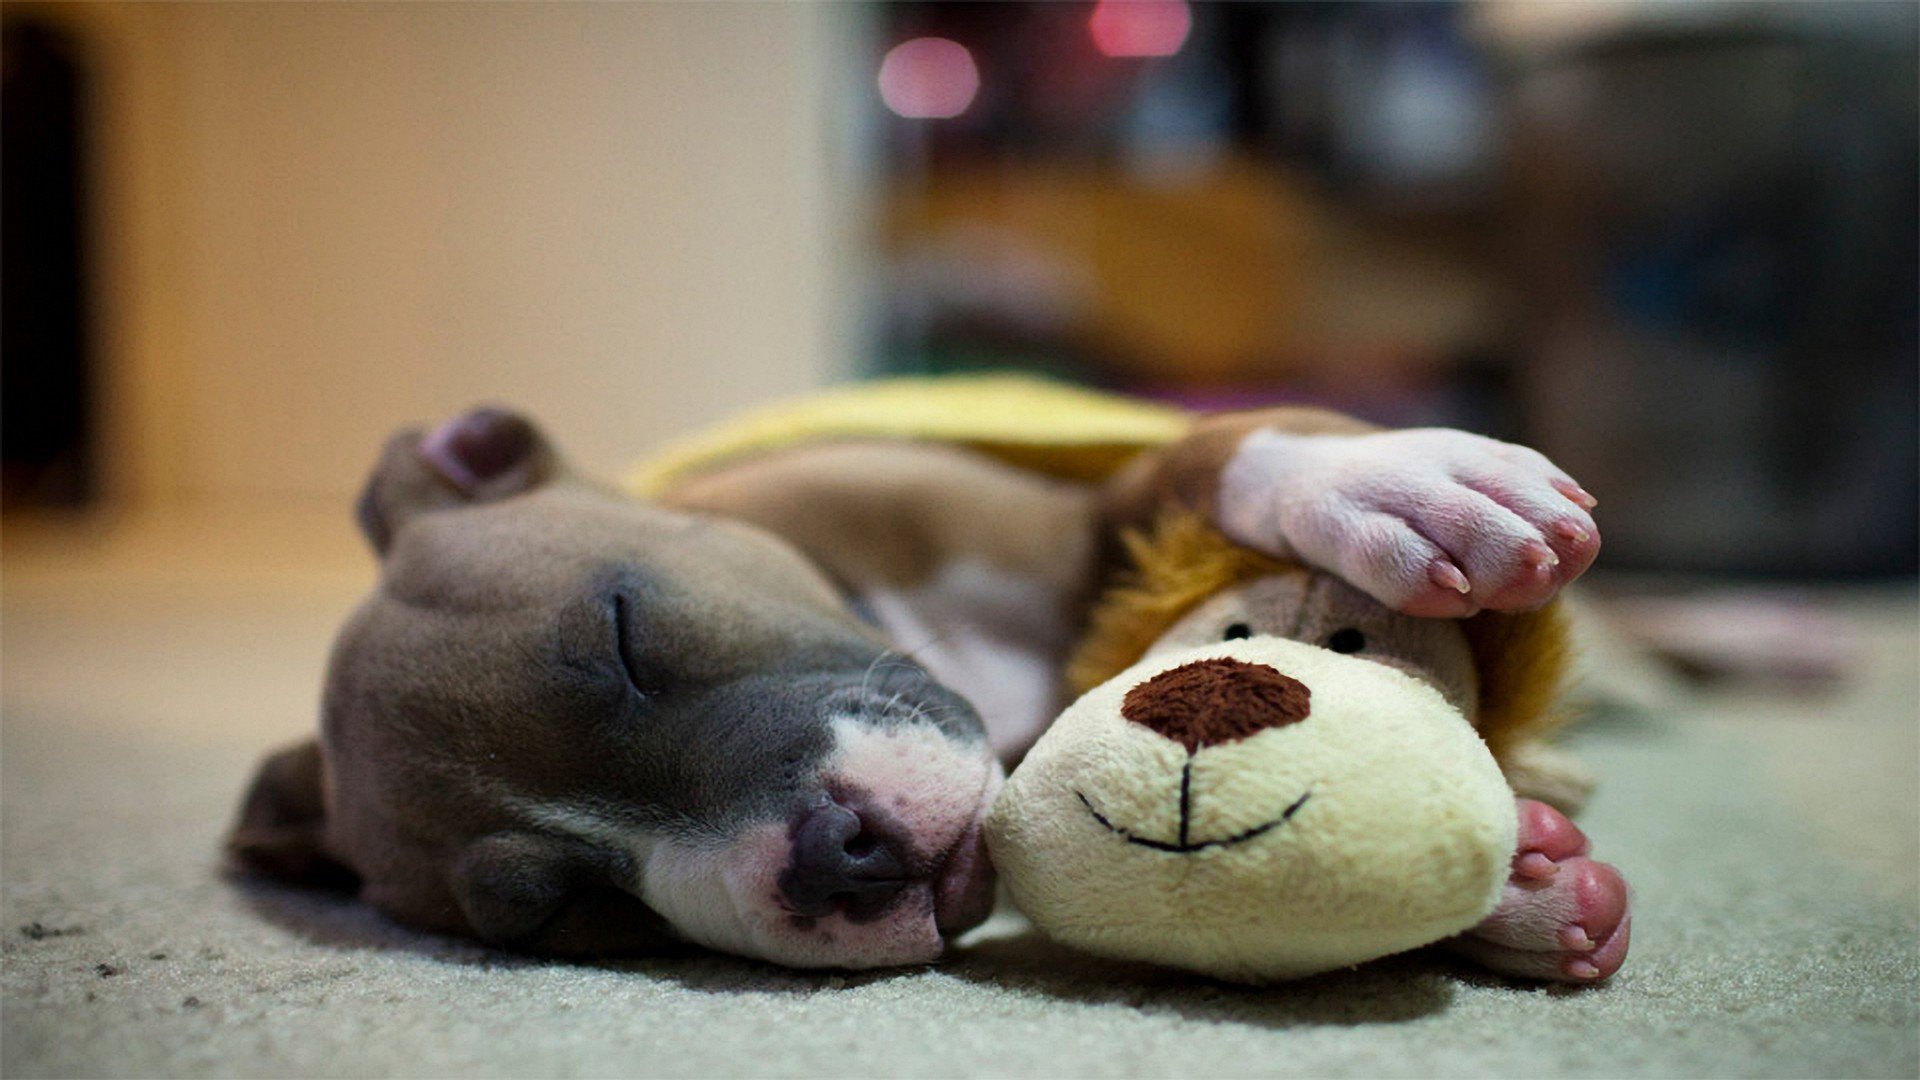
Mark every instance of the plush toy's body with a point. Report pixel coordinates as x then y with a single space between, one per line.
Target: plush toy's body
572 721
1283 777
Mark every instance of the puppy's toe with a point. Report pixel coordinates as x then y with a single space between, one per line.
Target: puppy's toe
1547 837
1572 925
1384 556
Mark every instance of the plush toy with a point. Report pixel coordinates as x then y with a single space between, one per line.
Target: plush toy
1270 774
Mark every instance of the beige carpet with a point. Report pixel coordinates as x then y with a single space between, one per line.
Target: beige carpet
1771 842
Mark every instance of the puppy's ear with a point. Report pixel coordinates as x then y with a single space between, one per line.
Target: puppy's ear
482 455
282 818
550 895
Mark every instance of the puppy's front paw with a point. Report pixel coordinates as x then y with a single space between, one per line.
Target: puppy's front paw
1431 522
1562 917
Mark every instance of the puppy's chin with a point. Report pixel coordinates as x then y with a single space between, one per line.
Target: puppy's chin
926 793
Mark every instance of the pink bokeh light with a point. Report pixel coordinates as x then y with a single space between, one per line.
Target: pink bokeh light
929 78
1140 27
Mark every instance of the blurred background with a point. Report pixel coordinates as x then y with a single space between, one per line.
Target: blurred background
1672 245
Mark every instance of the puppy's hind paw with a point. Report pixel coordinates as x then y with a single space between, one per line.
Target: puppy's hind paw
1563 916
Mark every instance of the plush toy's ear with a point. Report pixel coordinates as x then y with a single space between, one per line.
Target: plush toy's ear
550 895
482 455
282 819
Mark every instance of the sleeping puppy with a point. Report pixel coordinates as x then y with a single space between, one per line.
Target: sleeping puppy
766 713
573 723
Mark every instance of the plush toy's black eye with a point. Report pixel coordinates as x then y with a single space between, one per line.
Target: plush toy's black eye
1238 630
1347 640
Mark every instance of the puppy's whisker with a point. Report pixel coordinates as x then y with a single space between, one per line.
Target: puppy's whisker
891 702
930 715
877 661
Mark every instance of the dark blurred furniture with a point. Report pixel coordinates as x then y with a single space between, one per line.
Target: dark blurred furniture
1718 252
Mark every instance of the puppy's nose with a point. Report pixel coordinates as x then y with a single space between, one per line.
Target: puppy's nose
843 861
1209 702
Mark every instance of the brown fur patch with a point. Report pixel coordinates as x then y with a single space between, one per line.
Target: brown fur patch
1522 659
1209 702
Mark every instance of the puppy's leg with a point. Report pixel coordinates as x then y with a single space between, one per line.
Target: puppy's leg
1429 521
282 825
1563 916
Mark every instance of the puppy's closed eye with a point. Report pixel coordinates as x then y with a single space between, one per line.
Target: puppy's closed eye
623 644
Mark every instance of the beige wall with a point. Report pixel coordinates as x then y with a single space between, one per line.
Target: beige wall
319 222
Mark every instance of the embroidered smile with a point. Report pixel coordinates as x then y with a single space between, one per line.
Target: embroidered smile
1184 845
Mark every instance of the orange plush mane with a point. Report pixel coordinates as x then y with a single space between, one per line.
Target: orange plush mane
1522 659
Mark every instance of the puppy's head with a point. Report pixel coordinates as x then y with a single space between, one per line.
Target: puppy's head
570 722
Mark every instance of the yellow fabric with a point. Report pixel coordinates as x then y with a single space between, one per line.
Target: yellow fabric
1034 423
1403 839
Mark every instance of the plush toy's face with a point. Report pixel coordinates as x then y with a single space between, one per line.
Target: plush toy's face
1319 609
1286 783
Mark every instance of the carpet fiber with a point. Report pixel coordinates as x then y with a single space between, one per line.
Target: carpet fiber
1770 842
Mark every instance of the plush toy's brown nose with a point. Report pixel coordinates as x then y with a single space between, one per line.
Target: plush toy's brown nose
1209 702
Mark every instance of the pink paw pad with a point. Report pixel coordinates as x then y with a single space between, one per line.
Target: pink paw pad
1563 916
